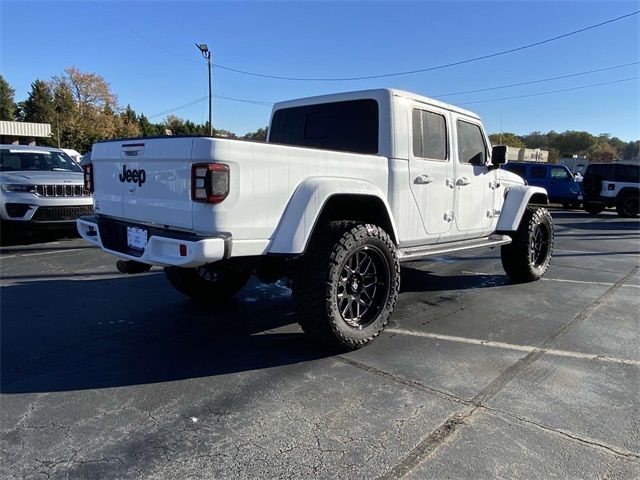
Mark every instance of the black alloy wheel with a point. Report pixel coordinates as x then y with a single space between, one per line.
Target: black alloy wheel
539 245
346 285
363 287
527 257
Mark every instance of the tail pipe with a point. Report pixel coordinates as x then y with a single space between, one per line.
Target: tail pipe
131 266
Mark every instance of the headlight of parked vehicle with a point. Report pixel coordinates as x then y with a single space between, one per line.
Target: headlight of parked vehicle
18 187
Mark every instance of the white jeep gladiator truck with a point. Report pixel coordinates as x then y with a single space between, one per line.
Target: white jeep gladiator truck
346 188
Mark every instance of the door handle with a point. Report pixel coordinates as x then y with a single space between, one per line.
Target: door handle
423 180
463 181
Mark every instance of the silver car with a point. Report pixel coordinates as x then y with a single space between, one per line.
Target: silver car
40 186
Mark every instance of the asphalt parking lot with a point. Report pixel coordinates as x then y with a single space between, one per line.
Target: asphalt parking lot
113 376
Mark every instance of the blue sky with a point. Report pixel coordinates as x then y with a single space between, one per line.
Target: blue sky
146 51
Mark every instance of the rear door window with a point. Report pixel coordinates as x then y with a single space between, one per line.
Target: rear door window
429 135
538 172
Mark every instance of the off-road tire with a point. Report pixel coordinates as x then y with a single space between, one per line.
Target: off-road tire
322 290
593 208
203 287
527 257
627 205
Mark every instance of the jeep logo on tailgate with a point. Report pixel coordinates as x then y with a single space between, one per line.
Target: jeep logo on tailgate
135 176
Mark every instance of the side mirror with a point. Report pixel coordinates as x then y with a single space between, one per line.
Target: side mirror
499 155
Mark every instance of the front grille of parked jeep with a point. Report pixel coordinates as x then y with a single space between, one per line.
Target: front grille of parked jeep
62 191
61 214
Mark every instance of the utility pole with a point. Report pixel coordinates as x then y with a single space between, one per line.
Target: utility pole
58 129
207 55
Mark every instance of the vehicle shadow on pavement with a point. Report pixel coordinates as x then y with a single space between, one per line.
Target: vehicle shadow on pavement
417 280
112 334
28 237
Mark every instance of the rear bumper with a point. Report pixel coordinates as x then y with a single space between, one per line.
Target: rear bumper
160 250
600 200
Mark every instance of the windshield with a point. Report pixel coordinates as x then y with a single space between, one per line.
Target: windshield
19 160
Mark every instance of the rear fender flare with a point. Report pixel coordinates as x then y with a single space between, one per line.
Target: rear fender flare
306 205
515 203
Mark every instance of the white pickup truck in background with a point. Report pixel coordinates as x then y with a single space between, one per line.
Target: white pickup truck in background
346 187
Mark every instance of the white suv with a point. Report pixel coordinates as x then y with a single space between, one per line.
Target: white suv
40 187
612 185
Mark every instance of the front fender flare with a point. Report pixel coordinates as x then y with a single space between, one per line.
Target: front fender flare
518 197
306 204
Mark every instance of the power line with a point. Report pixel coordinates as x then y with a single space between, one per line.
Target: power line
267 104
369 77
139 35
552 91
437 67
537 81
256 102
201 99
180 107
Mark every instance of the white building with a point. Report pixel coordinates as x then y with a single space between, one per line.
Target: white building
527 155
23 133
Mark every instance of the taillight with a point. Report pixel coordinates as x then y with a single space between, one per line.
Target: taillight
88 177
209 182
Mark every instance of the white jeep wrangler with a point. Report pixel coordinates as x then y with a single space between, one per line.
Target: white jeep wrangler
346 187
612 185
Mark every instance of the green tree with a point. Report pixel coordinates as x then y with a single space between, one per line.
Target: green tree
619 145
39 106
603 151
64 126
93 116
536 140
175 125
148 129
260 135
221 133
505 138
631 150
127 124
573 143
7 105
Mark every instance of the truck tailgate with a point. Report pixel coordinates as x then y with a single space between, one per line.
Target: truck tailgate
146 180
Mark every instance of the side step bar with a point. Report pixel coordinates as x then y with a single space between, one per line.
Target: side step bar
415 253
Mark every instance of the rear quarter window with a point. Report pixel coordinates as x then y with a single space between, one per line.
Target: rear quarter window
350 126
626 173
601 171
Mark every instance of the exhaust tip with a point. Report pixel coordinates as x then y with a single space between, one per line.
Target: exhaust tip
131 266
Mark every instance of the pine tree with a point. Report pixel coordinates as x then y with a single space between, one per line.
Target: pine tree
39 106
7 105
